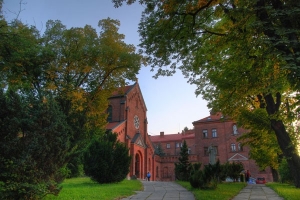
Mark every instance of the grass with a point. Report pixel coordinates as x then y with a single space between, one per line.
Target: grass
288 192
84 188
224 191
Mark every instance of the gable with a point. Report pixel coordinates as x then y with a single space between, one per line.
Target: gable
138 140
237 157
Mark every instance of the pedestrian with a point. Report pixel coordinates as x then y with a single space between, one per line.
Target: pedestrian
148 176
247 176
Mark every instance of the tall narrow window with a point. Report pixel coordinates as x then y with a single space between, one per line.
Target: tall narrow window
189 150
214 133
240 147
177 144
204 132
234 128
109 112
233 147
168 146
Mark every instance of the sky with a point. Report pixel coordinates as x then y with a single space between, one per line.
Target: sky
171 101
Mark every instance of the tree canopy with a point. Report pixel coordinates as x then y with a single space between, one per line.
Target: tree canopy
239 54
76 69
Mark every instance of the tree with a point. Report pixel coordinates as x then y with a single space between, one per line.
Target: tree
239 54
34 141
107 160
182 168
76 69
264 148
159 150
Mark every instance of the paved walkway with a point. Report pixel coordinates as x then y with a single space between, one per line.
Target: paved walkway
156 190
257 192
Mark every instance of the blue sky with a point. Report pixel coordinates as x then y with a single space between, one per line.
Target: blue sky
171 101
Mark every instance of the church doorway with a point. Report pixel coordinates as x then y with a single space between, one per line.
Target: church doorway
138 165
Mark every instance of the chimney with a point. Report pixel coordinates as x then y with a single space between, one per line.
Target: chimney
162 134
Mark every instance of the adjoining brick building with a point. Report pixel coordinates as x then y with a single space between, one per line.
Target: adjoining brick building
215 130
128 118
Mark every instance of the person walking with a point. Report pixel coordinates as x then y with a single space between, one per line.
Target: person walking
148 176
247 176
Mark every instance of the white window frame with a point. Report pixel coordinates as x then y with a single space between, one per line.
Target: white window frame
214 133
233 147
168 146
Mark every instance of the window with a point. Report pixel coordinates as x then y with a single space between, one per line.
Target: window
240 147
177 144
234 128
214 132
204 133
168 146
189 150
233 147
109 112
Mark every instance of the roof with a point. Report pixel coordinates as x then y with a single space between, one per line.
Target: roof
122 91
113 125
171 137
212 118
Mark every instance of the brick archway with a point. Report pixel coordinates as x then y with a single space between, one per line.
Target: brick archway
138 164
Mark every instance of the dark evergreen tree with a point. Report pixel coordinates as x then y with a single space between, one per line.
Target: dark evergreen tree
182 168
34 140
159 151
107 160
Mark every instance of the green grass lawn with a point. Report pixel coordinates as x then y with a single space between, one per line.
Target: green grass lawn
224 191
84 188
288 192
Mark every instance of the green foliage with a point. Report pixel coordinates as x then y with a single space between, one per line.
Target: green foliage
106 160
239 54
232 170
286 191
61 82
85 188
182 168
34 140
264 148
224 191
159 150
207 178
285 172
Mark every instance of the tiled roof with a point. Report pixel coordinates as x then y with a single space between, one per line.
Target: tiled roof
215 117
171 137
122 91
113 125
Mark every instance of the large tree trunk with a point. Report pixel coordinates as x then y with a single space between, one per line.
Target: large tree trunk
283 138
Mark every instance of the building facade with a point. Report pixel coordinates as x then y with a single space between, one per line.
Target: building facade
128 118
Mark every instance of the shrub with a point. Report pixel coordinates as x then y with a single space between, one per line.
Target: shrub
34 139
285 172
207 178
106 160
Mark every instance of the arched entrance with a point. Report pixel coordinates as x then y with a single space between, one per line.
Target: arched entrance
138 165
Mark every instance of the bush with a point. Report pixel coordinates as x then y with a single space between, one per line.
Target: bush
285 172
207 178
106 160
34 139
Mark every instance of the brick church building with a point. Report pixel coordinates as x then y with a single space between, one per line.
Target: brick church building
128 118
